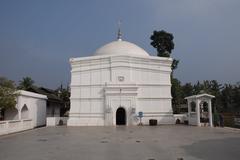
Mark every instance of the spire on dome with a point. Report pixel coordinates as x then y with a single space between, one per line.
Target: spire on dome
119 35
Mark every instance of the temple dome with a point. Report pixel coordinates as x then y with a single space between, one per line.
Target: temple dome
120 47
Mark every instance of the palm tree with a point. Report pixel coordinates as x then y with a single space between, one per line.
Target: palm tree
26 83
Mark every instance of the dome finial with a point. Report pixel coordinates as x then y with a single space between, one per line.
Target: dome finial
119 35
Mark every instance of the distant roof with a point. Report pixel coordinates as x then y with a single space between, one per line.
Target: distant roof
51 94
31 94
200 95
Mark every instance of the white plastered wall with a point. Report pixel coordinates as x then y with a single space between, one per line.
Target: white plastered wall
91 75
36 108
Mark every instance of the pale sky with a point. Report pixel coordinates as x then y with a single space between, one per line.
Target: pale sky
37 38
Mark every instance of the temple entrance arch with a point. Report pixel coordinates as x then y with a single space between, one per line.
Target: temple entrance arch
120 104
121 116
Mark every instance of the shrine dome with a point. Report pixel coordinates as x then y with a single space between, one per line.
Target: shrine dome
120 47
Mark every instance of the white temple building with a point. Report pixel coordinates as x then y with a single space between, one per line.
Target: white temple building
116 83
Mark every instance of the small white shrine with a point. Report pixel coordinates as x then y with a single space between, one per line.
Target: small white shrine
200 110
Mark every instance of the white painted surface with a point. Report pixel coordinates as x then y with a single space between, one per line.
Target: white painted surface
13 126
181 117
11 114
101 84
192 119
237 121
29 106
54 121
120 47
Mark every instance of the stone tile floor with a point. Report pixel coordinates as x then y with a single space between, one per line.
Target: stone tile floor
168 142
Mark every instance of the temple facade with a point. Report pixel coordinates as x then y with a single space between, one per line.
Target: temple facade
117 83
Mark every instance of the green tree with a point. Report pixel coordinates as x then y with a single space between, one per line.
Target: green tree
163 42
215 89
230 98
227 98
174 64
197 88
64 95
187 90
26 83
236 97
177 95
7 93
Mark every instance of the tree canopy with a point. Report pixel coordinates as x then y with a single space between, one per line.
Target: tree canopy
163 42
64 95
26 83
7 93
227 96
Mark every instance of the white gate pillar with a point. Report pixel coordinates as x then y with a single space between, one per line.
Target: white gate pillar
210 112
189 109
198 112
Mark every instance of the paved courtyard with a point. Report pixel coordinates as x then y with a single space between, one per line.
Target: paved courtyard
122 143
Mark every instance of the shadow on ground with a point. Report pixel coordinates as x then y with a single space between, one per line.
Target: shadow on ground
227 149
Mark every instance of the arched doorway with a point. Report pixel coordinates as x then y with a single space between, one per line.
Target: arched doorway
193 106
24 112
204 112
121 116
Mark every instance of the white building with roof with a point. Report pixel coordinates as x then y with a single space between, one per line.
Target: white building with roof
116 83
29 112
200 109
